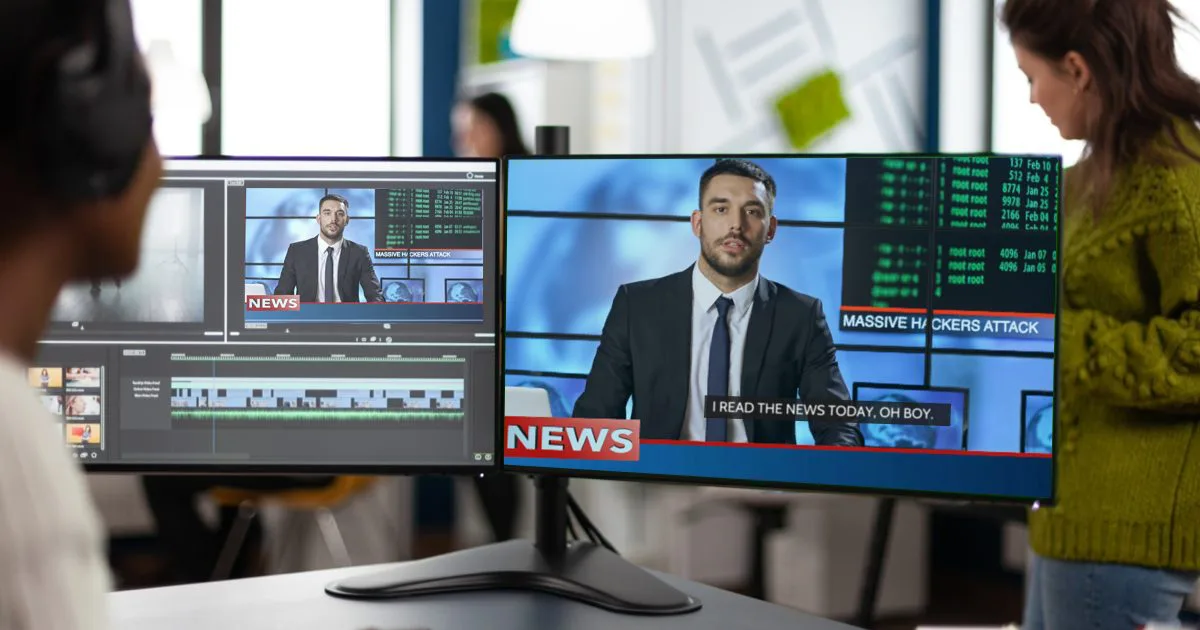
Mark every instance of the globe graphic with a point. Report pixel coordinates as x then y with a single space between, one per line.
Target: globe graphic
898 435
397 292
461 292
1039 431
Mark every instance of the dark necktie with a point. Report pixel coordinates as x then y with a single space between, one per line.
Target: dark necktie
329 275
718 369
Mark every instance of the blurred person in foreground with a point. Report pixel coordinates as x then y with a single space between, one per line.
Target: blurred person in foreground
1121 548
78 166
486 126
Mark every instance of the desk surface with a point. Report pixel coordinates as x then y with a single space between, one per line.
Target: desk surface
298 601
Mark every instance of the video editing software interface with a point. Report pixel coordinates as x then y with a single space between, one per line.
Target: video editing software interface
899 335
290 312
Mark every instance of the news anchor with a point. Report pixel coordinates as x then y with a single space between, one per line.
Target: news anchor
718 328
329 267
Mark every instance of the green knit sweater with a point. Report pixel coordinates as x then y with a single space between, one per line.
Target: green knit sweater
1128 423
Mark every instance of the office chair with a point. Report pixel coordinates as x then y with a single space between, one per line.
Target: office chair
321 503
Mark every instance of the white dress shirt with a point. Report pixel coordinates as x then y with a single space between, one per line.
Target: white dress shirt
704 320
52 544
322 245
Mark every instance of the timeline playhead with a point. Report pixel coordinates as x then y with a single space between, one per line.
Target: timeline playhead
296 250
271 405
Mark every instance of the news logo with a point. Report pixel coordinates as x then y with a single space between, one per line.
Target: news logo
572 438
289 302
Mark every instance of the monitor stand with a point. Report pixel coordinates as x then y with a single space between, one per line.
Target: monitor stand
582 571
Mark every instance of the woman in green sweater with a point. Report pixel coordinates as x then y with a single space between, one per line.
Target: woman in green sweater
1121 547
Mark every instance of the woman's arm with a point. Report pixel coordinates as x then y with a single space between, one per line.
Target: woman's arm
1154 364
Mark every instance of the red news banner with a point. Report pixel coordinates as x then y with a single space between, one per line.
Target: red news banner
572 438
289 302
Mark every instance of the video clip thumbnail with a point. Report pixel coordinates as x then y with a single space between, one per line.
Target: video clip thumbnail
181 249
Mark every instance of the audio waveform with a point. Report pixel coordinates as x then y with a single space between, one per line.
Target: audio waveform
316 415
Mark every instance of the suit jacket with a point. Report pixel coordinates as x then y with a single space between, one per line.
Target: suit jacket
354 270
645 352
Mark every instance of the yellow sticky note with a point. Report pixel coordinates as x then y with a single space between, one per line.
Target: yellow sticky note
812 109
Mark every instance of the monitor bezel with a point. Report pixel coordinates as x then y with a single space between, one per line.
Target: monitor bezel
1036 501
336 469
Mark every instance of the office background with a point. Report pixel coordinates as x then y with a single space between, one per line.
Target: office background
897 75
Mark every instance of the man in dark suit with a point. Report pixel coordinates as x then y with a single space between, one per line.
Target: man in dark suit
718 328
329 267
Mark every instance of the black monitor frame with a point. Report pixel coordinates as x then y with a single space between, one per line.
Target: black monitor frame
240 468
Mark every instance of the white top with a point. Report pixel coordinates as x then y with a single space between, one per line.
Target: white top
323 245
55 573
704 320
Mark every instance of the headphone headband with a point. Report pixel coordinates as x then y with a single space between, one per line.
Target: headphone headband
94 128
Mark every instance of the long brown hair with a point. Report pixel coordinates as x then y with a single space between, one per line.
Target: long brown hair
1129 46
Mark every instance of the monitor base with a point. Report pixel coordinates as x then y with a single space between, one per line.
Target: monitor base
587 573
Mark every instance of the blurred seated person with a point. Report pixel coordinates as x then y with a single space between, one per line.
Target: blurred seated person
485 126
193 547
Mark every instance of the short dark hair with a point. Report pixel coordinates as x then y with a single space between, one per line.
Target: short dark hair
333 197
742 168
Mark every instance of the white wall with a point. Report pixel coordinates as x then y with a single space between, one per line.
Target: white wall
407 77
178 24
712 83
966 27
306 77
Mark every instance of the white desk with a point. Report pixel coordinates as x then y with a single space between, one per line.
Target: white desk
298 602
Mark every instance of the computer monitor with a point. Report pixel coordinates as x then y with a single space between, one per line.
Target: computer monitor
237 347
897 335
806 322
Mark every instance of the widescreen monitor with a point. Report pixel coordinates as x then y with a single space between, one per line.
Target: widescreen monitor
898 336
288 315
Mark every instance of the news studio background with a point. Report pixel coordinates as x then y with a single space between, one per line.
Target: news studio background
441 281
858 233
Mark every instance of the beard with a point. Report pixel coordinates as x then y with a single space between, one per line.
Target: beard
725 264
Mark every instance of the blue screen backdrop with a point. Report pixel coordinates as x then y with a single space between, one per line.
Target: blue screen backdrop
278 217
579 228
